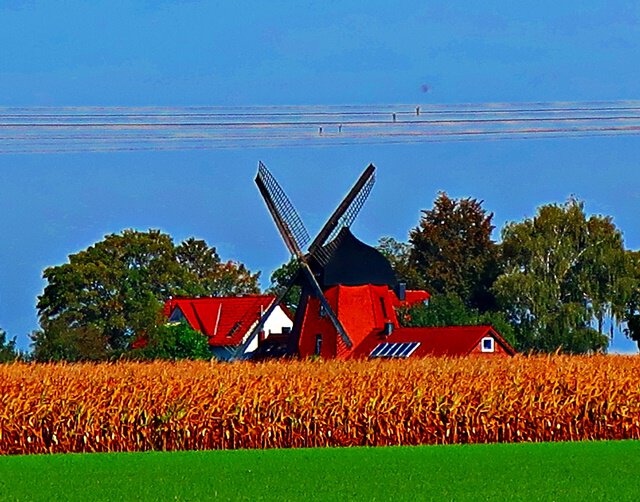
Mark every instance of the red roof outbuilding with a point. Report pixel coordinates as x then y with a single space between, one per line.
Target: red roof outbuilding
225 320
451 341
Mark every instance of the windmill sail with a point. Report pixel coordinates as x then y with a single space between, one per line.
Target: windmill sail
295 236
344 215
287 220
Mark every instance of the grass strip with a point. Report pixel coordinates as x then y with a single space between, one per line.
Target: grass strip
532 471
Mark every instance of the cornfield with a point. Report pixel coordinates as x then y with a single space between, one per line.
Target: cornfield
126 406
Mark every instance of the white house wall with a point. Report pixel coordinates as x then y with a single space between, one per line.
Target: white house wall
274 324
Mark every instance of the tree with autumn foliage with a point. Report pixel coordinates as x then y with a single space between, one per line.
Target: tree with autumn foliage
452 252
94 305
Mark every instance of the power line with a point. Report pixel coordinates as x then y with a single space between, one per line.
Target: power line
77 129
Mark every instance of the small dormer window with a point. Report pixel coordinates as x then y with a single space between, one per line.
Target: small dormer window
487 344
176 316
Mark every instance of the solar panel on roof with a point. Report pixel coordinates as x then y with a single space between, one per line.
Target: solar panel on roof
411 348
390 349
385 349
376 351
406 349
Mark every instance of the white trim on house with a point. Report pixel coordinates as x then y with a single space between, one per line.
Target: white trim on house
274 324
488 347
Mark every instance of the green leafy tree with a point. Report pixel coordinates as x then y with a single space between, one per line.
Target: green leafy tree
632 307
443 310
8 350
173 342
281 278
208 275
564 274
449 310
61 342
452 251
113 291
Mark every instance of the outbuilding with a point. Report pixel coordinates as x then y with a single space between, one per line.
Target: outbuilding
228 321
448 341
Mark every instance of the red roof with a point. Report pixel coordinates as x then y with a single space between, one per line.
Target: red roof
440 341
225 320
413 296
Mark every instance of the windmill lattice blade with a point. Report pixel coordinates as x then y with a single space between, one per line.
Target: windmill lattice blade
354 208
284 214
344 215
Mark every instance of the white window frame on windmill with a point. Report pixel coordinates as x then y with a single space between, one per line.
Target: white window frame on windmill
492 344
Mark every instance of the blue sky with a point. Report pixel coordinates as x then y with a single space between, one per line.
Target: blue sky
263 53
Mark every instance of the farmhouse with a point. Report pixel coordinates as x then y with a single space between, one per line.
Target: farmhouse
228 321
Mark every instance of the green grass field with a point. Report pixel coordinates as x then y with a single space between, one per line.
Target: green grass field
547 471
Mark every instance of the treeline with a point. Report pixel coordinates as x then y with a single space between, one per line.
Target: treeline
107 297
561 280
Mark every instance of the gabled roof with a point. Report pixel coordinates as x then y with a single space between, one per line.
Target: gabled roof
438 341
225 320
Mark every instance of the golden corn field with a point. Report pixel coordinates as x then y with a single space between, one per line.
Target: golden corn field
128 406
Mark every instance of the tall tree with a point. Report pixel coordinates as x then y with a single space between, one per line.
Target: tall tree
452 251
94 304
8 351
564 274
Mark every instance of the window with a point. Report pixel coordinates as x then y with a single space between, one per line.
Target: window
177 315
318 345
389 349
487 344
233 329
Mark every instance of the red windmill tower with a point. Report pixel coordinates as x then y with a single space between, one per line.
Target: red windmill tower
349 290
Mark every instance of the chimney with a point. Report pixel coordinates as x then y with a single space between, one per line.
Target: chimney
401 291
388 328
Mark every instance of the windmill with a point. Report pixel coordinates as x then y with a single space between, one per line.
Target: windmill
318 253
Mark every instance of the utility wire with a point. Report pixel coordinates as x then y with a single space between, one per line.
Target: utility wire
78 129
